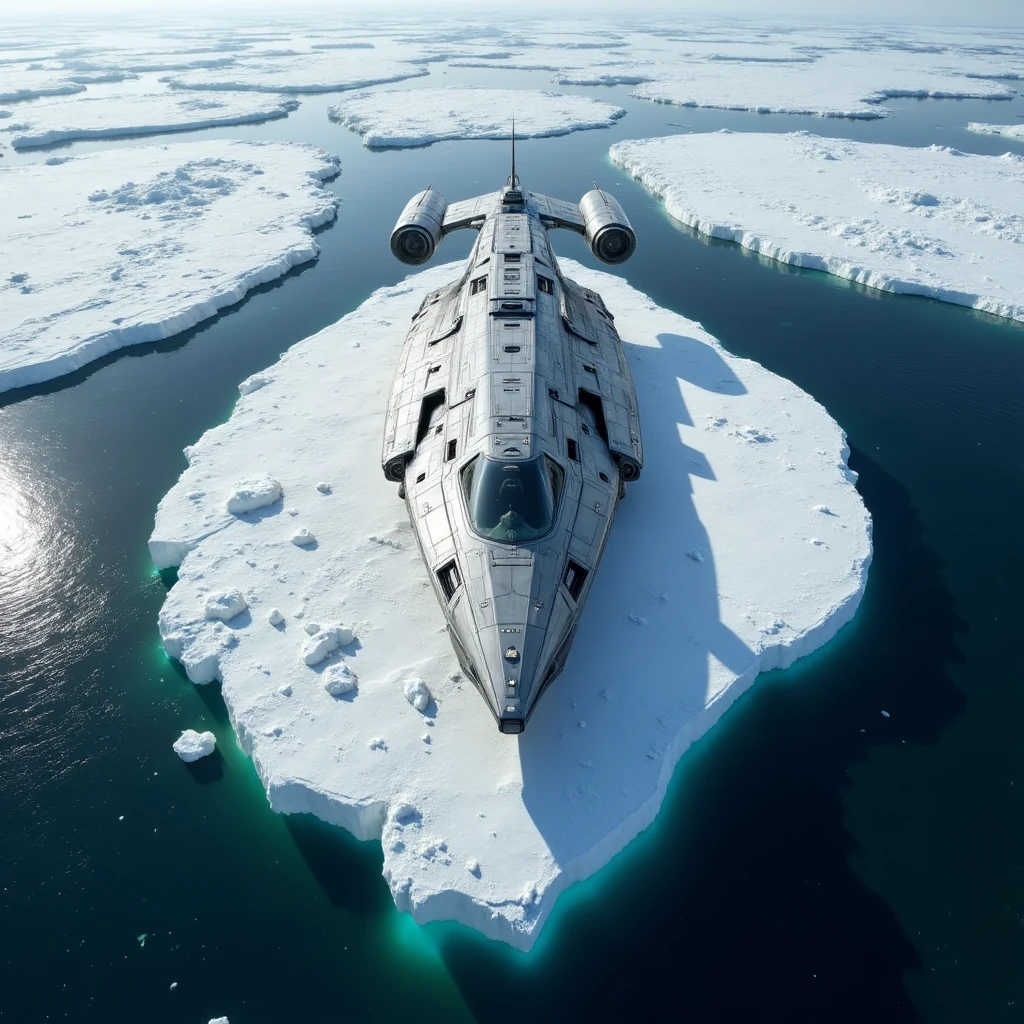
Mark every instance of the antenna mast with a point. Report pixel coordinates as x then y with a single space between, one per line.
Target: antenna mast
512 179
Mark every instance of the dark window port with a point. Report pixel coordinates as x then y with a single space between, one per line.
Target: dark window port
593 402
448 577
453 445
604 477
429 407
512 348
573 453
479 285
575 577
546 285
511 257
421 478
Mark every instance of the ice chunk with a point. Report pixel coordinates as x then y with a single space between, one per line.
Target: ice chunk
253 383
325 642
323 488
192 745
274 617
225 605
417 694
303 537
257 492
340 679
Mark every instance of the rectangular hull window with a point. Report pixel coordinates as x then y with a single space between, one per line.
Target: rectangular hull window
448 577
575 577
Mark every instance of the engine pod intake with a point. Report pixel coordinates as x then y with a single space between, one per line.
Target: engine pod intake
606 226
418 231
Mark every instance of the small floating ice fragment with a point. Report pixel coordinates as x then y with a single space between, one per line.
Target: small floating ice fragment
473 867
885 714
192 745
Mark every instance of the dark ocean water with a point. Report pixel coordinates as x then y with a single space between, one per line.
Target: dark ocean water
814 861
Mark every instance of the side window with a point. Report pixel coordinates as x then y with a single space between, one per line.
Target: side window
479 285
545 284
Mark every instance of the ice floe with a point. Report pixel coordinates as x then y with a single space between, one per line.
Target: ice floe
91 117
835 83
192 745
1009 131
316 71
132 245
418 117
933 221
476 826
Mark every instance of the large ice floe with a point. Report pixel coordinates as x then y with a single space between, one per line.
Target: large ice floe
121 247
315 71
833 83
90 117
933 222
418 117
744 546
826 70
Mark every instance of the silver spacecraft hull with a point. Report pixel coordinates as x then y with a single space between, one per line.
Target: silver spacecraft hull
512 430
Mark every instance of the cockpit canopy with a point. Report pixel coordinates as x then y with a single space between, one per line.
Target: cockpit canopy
512 502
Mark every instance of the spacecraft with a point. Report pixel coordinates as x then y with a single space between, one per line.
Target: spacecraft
512 431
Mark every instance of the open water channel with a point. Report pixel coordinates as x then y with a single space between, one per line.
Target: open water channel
814 860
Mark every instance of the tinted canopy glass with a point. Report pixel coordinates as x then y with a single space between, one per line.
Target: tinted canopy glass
511 502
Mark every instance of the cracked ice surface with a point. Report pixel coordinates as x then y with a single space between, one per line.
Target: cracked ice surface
417 117
475 826
65 118
126 246
933 222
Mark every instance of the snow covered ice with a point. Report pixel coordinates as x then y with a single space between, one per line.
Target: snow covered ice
315 71
933 222
63 119
132 245
418 117
475 826
1009 131
192 745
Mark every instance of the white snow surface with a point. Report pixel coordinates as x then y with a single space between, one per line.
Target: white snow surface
63 119
1010 131
933 222
735 460
192 745
132 245
418 117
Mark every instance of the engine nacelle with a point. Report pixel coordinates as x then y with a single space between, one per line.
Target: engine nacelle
608 231
418 231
